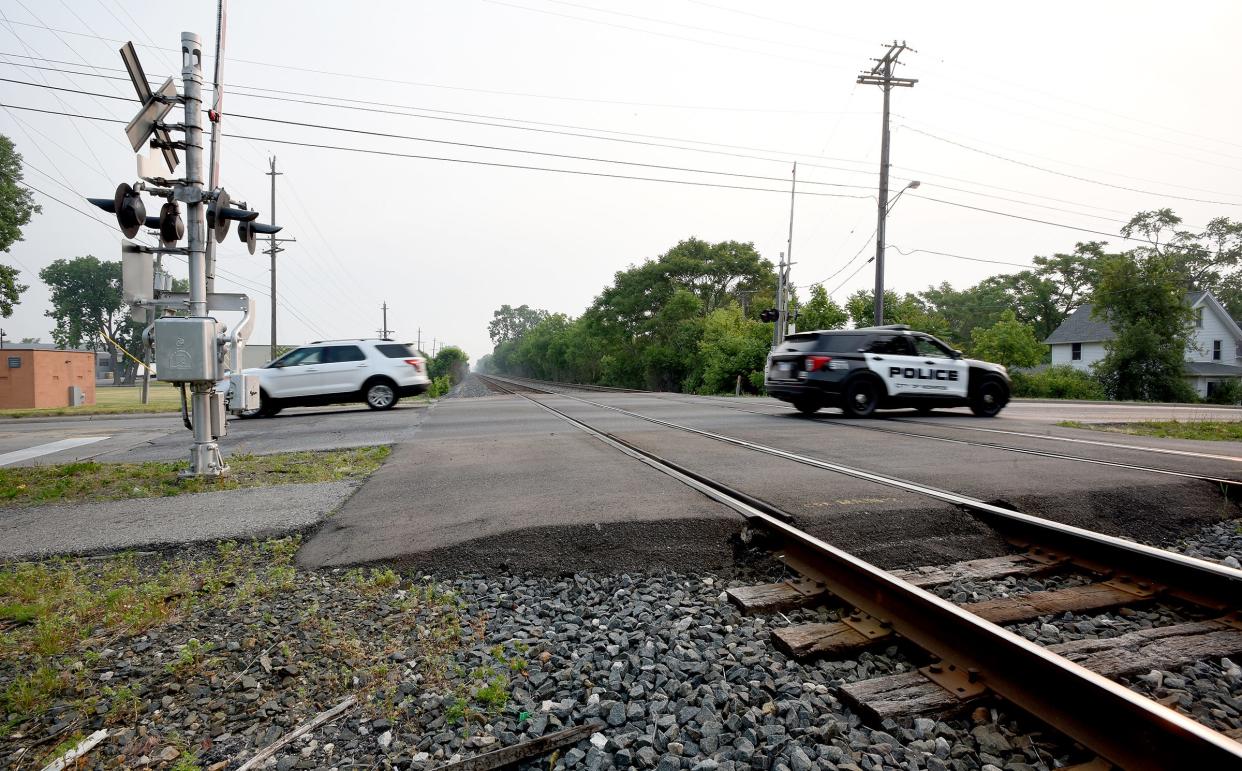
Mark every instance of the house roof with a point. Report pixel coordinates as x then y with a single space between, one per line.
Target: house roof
1079 327
1212 368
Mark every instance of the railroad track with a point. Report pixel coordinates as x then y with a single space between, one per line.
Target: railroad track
1231 487
968 653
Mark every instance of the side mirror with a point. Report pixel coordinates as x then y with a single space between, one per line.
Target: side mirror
957 354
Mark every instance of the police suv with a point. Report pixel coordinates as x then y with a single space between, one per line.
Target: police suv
862 370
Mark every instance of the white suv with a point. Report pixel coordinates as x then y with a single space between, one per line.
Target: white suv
377 372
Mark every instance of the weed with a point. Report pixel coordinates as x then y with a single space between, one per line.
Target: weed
125 703
384 579
31 693
19 613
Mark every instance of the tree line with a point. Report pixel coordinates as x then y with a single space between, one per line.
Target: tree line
688 320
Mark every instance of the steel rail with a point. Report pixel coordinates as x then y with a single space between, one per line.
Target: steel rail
897 418
1231 486
1113 721
1188 576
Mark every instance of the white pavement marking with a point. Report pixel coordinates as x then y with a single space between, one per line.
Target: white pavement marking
10 458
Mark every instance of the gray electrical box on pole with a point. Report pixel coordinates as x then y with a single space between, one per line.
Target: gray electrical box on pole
190 350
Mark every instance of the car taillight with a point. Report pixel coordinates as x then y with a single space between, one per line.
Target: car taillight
415 363
816 363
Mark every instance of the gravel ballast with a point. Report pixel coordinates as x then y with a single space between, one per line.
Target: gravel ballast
448 667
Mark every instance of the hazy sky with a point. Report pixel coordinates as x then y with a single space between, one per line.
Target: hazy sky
1123 106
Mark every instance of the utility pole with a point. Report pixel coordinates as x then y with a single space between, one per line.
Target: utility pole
214 115
205 458
385 333
272 250
882 75
782 305
780 295
418 347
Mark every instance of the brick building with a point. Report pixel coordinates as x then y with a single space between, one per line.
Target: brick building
36 377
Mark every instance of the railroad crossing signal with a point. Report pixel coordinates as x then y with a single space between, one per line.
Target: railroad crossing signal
154 107
769 314
190 349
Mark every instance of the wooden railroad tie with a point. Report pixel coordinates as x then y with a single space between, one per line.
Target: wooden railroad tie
802 593
911 694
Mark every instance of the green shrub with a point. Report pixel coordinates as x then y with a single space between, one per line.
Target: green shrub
1059 382
440 386
1226 392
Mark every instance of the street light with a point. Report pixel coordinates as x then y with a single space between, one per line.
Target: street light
879 253
913 185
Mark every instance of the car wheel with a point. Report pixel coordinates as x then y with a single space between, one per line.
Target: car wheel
807 406
861 397
989 399
381 395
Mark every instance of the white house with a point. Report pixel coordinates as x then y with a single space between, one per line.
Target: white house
1213 355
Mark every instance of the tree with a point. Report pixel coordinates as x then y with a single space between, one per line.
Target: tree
17 206
89 310
1008 342
509 323
820 312
451 361
732 346
1142 297
905 309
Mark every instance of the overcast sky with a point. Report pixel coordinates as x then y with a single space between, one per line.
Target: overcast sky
1123 105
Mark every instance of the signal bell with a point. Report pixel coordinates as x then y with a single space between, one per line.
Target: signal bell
248 230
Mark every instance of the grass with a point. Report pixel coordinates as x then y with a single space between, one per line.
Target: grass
91 481
1208 430
72 611
113 400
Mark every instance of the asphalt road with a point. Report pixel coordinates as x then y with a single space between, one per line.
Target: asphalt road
163 437
498 482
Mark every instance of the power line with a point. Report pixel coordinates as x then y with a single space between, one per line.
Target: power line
1027 219
847 263
579 172
466 161
419 84
1064 174
441 115
956 256
472 145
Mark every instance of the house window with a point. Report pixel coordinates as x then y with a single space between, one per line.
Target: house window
1215 350
1076 351
1198 318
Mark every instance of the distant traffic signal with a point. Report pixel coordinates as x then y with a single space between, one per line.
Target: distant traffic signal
769 314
